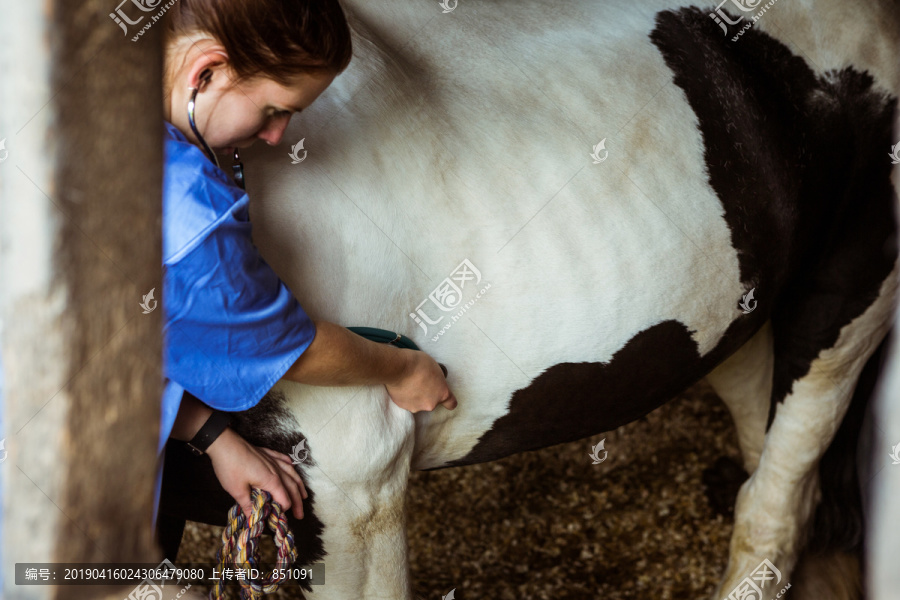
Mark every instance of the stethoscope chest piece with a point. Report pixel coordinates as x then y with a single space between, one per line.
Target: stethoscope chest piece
237 170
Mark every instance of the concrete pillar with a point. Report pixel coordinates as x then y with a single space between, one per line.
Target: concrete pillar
81 116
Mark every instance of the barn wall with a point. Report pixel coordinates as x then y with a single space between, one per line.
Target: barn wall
80 205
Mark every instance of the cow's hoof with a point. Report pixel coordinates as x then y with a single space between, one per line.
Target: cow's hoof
722 481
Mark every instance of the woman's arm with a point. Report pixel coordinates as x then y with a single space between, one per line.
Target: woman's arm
337 356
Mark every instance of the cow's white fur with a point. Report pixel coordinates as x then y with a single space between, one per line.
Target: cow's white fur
744 383
360 445
468 136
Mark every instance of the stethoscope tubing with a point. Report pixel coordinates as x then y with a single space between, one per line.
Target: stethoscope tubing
191 104
238 167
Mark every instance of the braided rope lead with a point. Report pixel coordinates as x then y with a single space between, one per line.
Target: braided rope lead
240 545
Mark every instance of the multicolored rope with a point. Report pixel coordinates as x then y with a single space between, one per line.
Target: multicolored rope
240 545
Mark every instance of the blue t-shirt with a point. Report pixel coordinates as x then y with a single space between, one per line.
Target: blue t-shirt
231 327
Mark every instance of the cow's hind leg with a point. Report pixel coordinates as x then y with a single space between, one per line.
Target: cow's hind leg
775 506
744 383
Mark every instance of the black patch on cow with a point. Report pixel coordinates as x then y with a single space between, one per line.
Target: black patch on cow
572 401
271 425
799 163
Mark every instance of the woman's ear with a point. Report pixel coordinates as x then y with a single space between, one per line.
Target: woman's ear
206 62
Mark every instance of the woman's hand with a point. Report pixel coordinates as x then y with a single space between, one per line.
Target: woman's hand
421 385
241 466
338 356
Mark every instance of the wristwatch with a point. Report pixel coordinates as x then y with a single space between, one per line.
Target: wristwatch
213 428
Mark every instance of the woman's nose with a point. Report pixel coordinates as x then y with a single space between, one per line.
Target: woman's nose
274 130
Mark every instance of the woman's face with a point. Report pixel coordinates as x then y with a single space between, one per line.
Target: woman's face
260 109
232 115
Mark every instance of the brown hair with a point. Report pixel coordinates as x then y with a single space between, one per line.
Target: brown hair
275 39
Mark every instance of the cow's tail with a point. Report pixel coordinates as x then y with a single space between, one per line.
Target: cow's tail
834 576
832 564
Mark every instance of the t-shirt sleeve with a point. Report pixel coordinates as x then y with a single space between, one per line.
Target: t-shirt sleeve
232 326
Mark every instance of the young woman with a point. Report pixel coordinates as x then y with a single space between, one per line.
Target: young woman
232 327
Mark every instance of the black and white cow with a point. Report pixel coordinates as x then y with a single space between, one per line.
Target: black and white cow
582 208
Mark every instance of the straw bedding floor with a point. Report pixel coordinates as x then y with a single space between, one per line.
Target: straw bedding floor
551 525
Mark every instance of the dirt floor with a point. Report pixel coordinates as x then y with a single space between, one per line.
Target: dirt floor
550 524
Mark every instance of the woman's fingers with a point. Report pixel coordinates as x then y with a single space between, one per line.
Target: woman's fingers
295 488
275 485
296 500
278 455
287 464
290 485
243 498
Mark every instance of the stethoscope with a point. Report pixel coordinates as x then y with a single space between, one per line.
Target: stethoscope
237 169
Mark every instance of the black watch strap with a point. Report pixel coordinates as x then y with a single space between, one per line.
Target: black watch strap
214 426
